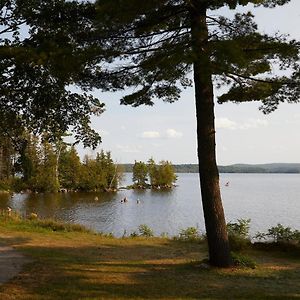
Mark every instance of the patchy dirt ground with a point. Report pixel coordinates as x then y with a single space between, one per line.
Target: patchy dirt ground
11 262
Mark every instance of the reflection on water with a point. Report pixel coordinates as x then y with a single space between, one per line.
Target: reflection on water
265 198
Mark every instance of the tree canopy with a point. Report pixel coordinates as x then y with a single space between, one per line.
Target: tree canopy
42 55
152 44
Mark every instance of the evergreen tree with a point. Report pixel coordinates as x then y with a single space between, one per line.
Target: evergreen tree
7 154
158 43
69 168
87 175
113 172
47 180
162 175
140 174
153 172
167 176
99 174
30 159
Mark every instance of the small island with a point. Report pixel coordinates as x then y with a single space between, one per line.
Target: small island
152 176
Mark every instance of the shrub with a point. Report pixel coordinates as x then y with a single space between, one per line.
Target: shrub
238 234
164 235
145 230
280 234
243 261
189 234
134 234
240 228
5 184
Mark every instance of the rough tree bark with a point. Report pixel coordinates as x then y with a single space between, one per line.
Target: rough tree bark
219 253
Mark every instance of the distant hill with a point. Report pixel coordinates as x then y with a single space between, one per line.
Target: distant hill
288 168
261 168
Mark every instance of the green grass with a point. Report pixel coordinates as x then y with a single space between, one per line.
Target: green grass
72 264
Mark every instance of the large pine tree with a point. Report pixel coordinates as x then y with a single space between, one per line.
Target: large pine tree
154 46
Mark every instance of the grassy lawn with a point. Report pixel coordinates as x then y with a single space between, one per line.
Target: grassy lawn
83 265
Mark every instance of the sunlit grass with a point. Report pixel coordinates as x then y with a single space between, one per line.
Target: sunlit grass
68 264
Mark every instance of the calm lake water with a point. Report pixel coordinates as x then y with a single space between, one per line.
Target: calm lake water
267 199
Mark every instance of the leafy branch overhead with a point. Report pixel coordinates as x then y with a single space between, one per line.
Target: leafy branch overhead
42 55
151 47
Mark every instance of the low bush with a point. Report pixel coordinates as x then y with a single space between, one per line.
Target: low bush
145 230
238 234
243 261
280 234
189 234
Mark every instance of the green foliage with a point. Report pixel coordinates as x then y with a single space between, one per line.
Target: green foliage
238 55
160 176
34 222
240 228
5 185
54 225
99 174
145 231
69 168
140 174
7 153
45 166
280 234
165 176
39 61
243 261
189 234
238 234
134 234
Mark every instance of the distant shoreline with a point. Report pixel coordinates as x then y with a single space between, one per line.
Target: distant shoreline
273 168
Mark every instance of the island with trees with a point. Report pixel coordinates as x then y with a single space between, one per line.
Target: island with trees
38 165
151 175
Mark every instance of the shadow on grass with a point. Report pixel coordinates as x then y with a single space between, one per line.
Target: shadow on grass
13 241
130 269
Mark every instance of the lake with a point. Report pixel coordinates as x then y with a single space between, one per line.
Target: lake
267 199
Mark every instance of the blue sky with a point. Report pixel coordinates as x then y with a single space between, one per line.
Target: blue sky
168 131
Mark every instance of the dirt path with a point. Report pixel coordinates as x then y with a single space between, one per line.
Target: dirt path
11 263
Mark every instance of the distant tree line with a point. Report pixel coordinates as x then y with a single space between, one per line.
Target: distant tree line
43 166
288 168
151 175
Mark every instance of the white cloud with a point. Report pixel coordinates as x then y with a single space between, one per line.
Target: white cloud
172 133
224 123
129 148
151 135
254 123
167 134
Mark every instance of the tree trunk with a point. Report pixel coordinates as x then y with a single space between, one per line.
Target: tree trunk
219 254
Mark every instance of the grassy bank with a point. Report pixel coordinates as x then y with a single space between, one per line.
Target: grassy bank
72 263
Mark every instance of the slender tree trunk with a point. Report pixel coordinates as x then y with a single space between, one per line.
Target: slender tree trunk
219 254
